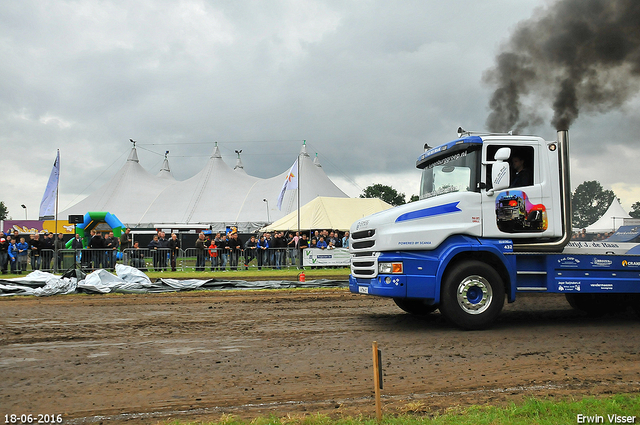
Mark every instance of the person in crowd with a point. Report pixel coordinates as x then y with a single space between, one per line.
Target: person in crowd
292 244
77 245
201 252
235 245
313 243
96 245
249 251
262 247
22 248
271 255
16 236
163 248
125 245
13 255
302 245
4 253
223 249
46 251
278 245
137 257
154 247
111 250
174 250
34 246
59 246
322 244
214 255
345 240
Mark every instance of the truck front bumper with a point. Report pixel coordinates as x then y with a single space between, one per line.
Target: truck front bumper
394 286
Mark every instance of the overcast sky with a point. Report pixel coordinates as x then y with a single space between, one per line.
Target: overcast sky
365 83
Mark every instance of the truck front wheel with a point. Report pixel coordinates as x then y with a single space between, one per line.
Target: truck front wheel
472 295
415 306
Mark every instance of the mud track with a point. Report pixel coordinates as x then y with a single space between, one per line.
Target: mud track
148 358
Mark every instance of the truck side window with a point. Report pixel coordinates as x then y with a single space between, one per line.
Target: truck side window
521 164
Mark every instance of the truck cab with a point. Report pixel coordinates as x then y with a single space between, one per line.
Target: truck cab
493 219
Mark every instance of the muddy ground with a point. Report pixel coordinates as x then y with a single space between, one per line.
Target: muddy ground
150 358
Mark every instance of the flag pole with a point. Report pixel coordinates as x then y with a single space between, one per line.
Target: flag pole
55 235
304 142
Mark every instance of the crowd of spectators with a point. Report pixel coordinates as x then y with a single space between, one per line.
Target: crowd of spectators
216 251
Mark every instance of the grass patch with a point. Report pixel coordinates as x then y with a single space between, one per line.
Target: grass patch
532 411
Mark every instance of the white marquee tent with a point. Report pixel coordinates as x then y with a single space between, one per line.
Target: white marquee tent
611 220
218 196
329 213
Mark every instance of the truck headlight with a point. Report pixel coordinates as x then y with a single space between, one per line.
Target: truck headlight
390 268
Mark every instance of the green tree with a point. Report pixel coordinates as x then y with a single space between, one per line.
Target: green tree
4 212
414 198
384 192
589 202
635 210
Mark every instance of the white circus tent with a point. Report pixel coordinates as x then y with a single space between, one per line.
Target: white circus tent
611 220
216 197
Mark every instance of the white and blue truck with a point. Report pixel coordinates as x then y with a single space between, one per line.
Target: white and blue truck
480 234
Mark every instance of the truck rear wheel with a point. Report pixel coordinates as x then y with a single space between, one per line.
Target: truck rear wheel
415 306
596 305
472 295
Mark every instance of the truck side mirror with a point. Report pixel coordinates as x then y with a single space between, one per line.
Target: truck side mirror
500 173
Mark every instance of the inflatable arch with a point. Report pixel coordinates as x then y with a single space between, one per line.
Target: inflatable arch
91 220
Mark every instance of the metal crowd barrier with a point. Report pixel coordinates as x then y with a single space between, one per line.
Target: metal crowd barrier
159 259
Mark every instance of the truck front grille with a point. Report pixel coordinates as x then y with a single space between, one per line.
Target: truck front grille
364 261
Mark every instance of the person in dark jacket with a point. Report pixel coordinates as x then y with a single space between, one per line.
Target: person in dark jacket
59 246
34 246
223 259
174 250
154 247
96 244
262 247
235 245
249 251
77 245
46 251
163 247
4 252
201 252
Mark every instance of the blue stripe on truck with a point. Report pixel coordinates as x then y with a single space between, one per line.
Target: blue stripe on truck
430 212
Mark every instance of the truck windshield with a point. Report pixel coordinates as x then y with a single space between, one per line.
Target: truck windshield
453 173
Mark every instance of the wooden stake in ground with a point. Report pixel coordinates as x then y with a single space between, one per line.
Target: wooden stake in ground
377 378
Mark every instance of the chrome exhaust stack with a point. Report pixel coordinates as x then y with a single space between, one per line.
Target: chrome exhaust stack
565 199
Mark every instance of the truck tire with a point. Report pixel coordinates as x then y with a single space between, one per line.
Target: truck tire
596 305
415 306
472 295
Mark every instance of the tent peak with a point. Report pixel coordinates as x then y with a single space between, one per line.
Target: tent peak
216 152
303 150
316 161
133 155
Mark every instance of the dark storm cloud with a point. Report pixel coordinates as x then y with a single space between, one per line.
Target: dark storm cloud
576 55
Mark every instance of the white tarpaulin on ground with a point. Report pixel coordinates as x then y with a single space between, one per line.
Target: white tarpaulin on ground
131 280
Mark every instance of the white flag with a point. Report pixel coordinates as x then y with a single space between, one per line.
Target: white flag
291 182
48 204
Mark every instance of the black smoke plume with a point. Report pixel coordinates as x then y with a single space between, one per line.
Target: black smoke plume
576 55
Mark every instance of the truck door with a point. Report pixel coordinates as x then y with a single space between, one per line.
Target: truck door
518 211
